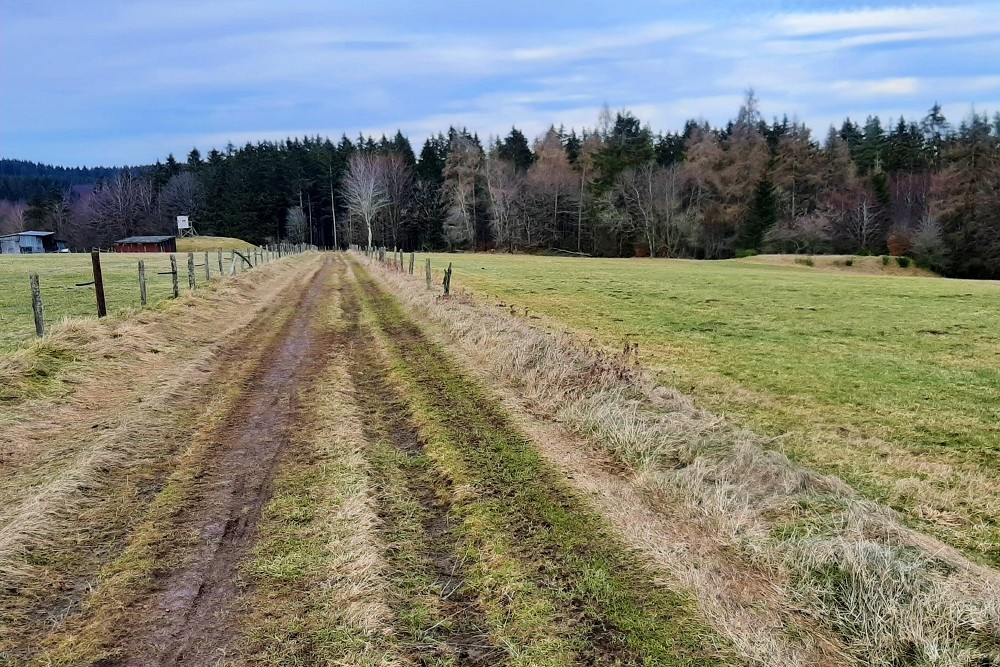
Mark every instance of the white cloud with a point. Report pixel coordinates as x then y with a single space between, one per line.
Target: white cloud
877 88
819 23
136 76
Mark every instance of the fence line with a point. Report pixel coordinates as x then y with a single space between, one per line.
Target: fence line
395 262
240 262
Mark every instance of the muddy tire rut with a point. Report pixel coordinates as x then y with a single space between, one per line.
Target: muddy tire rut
561 547
459 634
191 618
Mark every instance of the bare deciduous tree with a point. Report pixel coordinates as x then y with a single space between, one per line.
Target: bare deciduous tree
122 206
397 178
807 234
364 189
11 216
506 187
461 170
856 218
180 196
296 225
653 208
552 191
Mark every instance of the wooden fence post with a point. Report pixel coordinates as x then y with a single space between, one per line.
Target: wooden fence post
208 269
142 283
413 258
232 269
173 276
447 280
191 270
102 306
429 286
220 261
36 306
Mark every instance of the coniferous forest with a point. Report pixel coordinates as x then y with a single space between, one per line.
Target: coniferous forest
927 188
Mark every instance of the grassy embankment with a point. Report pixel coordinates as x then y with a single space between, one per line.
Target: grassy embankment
60 273
891 383
211 244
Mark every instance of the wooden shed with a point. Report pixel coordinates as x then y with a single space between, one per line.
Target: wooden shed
147 244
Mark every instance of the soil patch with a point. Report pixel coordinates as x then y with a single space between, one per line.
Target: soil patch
190 620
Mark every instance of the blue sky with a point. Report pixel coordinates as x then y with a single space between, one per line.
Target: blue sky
110 82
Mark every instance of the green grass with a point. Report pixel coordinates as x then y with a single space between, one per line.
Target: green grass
211 244
827 359
517 511
60 273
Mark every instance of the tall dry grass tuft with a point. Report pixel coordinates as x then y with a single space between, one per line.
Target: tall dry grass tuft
894 596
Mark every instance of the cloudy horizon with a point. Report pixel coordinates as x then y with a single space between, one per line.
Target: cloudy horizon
129 82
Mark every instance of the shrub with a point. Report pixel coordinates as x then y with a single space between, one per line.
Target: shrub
864 252
849 262
885 260
900 242
929 249
903 261
746 252
807 261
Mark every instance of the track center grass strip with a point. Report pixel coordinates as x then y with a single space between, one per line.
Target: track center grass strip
614 611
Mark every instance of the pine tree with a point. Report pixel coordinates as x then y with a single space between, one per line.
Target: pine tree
515 149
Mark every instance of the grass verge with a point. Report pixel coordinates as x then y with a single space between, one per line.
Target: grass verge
607 606
891 383
891 594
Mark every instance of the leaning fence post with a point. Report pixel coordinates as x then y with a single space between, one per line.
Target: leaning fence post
173 276
102 306
208 269
36 306
142 283
429 286
447 280
232 269
191 270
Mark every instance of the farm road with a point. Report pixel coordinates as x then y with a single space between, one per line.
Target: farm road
348 495
473 572
190 620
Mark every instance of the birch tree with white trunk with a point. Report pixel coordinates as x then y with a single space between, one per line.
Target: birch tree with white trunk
364 189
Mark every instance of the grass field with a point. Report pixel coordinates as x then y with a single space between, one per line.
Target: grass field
210 243
893 383
59 275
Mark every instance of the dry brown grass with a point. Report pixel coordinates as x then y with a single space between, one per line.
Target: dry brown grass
893 596
83 444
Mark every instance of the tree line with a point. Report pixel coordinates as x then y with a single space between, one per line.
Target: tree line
923 188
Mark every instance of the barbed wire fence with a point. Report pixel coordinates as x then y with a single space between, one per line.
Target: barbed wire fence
59 293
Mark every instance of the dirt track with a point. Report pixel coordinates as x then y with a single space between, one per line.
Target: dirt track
485 552
190 619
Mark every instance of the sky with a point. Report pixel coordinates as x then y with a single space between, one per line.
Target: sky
86 82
